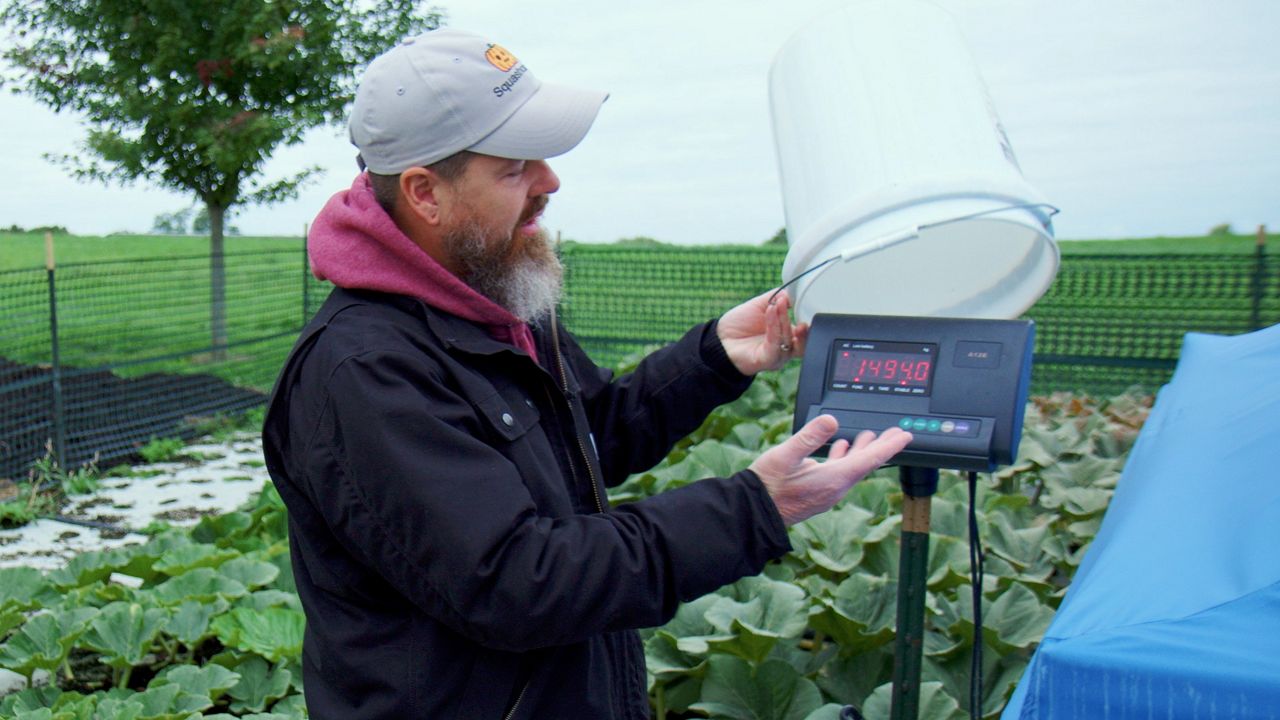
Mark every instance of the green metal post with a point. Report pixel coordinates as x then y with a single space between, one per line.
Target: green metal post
918 486
59 413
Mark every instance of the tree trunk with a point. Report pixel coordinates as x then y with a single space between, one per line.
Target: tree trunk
217 285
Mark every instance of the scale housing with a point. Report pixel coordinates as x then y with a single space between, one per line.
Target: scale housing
964 409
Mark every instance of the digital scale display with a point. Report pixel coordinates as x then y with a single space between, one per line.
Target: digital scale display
898 368
959 385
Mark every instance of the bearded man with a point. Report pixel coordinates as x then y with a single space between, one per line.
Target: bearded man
444 445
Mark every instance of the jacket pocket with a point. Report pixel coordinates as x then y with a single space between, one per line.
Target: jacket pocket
507 420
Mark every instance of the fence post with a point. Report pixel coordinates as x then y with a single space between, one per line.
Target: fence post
306 271
1259 278
59 414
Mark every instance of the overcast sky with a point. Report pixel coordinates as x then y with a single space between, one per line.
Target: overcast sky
1135 117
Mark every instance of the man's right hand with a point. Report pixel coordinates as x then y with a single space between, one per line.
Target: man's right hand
802 487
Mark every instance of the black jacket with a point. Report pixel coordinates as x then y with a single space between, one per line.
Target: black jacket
451 539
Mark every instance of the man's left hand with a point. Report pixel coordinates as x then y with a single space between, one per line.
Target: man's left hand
758 334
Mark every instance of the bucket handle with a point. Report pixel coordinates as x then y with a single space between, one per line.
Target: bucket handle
888 241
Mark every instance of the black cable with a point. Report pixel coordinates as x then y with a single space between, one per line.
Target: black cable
784 285
975 579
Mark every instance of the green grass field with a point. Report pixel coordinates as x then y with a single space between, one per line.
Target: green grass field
141 303
27 250
1212 244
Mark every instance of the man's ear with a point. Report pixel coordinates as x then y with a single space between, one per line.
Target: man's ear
421 192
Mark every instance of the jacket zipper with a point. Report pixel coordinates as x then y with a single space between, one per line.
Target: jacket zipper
519 698
564 388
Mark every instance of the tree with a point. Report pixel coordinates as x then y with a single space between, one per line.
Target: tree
202 223
195 96
174 223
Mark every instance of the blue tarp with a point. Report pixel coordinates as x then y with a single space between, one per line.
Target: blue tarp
1175 610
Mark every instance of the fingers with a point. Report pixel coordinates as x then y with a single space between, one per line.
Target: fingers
864 439
870 452
779 332
812 436
786 331
774 319
800 335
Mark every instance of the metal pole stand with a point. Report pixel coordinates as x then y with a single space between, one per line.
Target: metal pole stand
918 485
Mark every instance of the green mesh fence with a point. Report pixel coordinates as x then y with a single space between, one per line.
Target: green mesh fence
98 358
1108 323
133 356
620 300
1111 322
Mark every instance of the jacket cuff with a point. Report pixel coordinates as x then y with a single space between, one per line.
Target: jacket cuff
714 355
778 526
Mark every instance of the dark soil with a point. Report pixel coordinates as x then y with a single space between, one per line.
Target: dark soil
184 514
107 416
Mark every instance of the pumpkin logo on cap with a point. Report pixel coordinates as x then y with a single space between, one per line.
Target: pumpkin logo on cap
500 57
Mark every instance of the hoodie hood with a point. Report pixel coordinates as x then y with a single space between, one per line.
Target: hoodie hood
354 244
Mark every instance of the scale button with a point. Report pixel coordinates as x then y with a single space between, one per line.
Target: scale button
905 423
935 425
919 424
948 426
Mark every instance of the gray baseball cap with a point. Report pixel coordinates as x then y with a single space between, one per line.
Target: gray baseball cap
445 91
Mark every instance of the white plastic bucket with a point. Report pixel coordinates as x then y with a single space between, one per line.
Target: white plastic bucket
894 163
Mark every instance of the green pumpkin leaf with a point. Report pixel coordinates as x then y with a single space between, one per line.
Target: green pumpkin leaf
10 619
851 678
44 641
274 633
88 568
935 703
123 633
293 707
772 691
250 573
949 518
190 620
202 585
1018 617
41 714
830 711
120 708
750 629
258 686
833 540
664 659
263 599
210 681
169 702
19 588
862 614
746 435
948 562
184 558
30 700
221 529
718 459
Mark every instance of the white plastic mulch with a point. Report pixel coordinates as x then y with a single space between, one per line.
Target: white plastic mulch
213 479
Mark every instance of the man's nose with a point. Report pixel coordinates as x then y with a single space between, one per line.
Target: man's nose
547 181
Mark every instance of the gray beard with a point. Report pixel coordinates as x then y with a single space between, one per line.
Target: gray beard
528 286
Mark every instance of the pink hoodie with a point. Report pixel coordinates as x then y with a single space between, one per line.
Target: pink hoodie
355 244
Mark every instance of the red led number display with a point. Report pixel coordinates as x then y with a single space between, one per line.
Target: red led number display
882 367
